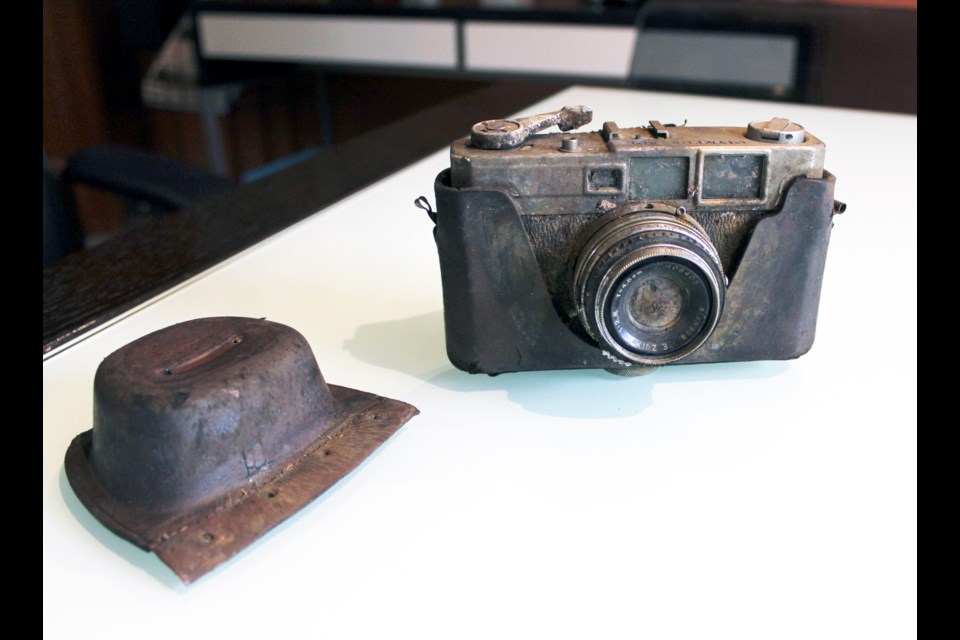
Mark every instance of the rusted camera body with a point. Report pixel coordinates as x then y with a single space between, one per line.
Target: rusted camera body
628 249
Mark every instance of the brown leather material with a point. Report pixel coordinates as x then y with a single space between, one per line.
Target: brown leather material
209 433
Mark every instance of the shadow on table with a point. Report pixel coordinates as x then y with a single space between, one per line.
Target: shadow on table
415 346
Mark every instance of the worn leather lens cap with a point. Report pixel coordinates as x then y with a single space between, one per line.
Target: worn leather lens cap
209 433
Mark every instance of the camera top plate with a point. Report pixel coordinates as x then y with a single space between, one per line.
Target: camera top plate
712 168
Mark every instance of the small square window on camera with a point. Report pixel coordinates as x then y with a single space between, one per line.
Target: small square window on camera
605 180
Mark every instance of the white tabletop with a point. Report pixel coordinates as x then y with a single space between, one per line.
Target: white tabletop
749 500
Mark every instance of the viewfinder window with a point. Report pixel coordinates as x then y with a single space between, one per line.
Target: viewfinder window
732 176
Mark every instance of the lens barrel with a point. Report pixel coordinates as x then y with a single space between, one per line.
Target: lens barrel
648 284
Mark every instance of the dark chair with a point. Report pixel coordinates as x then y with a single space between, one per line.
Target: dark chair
164 184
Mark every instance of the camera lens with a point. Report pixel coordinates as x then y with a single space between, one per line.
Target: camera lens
648 284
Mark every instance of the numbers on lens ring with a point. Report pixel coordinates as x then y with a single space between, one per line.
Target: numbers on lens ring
687 334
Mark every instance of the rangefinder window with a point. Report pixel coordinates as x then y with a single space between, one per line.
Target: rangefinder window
732 176
605 180
659 178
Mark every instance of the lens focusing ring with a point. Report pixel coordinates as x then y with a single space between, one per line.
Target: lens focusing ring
648 284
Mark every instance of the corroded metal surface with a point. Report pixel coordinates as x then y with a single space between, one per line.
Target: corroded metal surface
209 433
514 226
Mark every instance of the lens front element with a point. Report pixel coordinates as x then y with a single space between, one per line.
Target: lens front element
648 284
658 307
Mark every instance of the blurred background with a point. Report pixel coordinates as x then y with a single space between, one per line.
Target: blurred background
127 72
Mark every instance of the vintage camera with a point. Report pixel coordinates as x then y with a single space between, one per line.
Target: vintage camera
628 249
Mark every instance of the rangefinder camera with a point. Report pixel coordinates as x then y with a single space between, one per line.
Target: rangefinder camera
630 248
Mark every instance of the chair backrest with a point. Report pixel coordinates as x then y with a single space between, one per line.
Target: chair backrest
62 234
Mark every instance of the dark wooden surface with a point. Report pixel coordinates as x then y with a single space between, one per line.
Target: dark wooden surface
87 289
